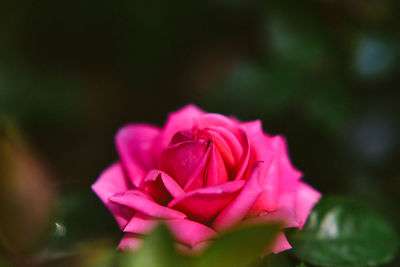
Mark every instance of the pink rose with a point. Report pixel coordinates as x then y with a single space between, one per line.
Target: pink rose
201 174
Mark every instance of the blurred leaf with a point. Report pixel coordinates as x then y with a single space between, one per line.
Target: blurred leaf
273 260
301 265
4 262
158 251
343 232
101 258
239 247
26 194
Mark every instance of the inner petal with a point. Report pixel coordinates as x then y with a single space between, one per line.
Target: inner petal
179 160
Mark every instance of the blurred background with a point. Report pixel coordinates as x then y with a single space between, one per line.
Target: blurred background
323 73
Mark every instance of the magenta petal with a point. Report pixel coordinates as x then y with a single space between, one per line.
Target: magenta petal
140 224
214 119
287 171
280 244
268 200
287 217
177 121
245 156
161 186
189 232
137 200
306 198
240 206
130 242
229 139
216 172
181 159
110 182
135 145
204 204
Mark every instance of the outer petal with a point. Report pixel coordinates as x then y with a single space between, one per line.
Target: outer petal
285 216
135 145
130 242
280 244
140 224
278 176
110 182
240 206
306 198
204 204
190 232
185 231
138 201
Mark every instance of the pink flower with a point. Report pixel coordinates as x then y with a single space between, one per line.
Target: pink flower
202 173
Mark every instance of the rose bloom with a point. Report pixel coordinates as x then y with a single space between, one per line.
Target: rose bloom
202 173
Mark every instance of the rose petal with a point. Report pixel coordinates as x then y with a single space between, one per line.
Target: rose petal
240 206
268 200
288 172
231 140
179 120
204 204
110 182
140 224
130 242
277 176
246 155
281 244
135 145
214 119
306 198
161 186
190 232
216 172
287 217
222 146
181 159
196 178
138 201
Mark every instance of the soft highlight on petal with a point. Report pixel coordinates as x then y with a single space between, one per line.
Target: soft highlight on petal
138 201
130 242
204 204
190 232
161 186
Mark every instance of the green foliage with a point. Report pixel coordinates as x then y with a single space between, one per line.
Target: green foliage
239 247
343 232
158 251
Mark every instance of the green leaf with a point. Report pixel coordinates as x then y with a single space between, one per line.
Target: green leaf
343 232
158 251
273 260
239 247
301 265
